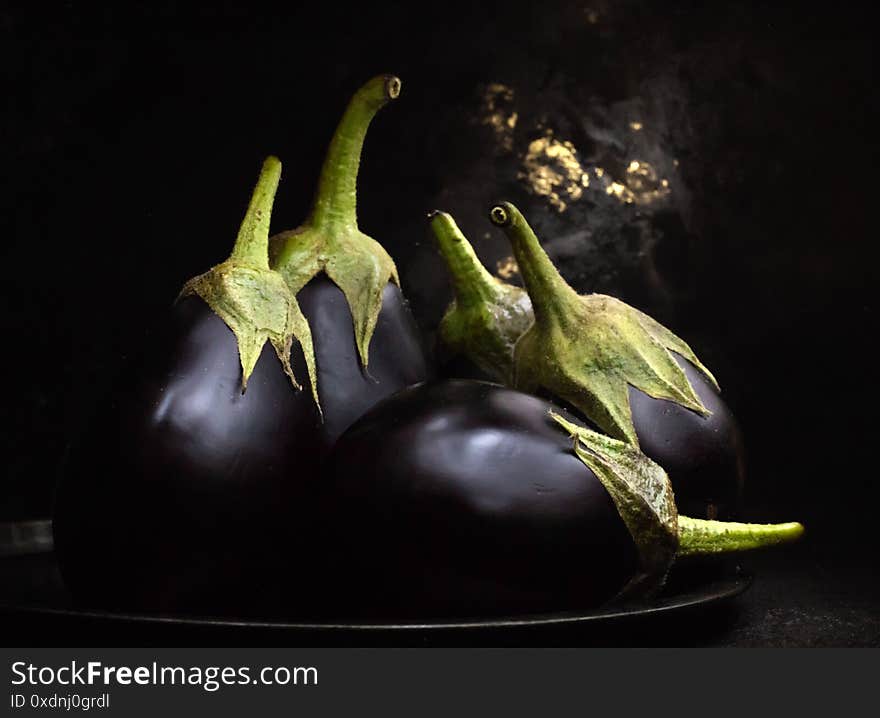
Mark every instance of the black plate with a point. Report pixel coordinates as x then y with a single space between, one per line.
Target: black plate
33 601
710 593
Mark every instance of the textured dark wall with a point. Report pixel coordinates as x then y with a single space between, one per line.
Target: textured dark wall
131 136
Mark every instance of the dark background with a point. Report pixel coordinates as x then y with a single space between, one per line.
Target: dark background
131 136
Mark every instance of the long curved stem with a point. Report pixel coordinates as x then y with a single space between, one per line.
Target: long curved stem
699 537
550 293
471 281
252 244
335 204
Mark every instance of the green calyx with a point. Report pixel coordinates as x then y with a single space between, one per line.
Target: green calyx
329 241
487 316
642 493
589 349
253 300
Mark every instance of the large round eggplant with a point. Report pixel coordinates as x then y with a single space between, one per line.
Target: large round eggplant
184 491
465 498
367 345
611 364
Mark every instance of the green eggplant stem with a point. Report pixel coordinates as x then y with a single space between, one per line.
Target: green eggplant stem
252 244
590 349
471 281
329 241
550 293
252 299
335 204
700 537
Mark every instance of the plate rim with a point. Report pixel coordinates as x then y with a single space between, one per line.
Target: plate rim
731 586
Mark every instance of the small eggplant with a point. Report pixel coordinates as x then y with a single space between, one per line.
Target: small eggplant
182 493
466 498
616 367
487 316
367 345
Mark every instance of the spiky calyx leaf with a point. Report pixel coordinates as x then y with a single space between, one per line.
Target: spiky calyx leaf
253 300
642 494
329 241
588 350
487 316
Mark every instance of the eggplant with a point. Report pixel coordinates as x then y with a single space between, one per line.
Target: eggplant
465 498
185 491
194 485
486 317
367 345
609 363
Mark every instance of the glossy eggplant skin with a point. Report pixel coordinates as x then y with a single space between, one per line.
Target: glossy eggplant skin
464 498
185 494
397 357
704 456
